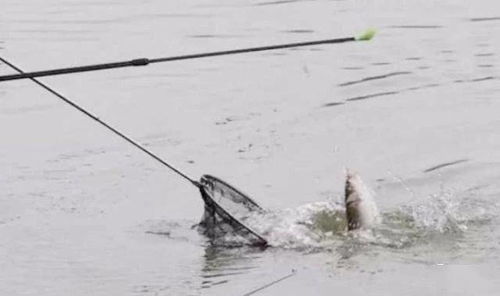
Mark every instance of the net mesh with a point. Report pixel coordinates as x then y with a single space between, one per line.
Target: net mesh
225 209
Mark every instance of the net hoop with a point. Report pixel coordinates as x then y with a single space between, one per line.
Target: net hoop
213 208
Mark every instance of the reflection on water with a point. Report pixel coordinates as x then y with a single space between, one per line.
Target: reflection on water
223 264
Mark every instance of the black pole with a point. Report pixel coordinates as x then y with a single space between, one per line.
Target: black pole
95 118
145 61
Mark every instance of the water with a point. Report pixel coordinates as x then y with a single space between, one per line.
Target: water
415 112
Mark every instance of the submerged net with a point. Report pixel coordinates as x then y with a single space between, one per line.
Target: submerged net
225 210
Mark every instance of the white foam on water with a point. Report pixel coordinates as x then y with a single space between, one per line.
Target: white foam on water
446 216
302 227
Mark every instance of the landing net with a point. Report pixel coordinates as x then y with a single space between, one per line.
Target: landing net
225 210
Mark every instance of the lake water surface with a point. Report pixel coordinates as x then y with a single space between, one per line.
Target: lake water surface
415 111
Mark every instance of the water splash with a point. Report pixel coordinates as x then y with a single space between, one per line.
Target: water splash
443 219
443 224
304 227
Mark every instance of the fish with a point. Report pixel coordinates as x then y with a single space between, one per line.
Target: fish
360 207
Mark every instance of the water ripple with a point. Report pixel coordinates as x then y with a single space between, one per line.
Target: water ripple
413 88
21 110
416 26
299 31
387 93
486 54
333 104
475 79
215 36
279 2
446 164
485 19
370 78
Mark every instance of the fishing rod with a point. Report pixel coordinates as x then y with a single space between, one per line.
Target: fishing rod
109 127
145 61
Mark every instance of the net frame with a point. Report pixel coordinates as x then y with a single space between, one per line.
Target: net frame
218 221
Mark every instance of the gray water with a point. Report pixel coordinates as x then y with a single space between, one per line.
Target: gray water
415 111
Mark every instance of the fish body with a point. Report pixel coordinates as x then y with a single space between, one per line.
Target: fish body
361 210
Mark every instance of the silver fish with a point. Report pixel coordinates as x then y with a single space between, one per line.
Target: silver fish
361 210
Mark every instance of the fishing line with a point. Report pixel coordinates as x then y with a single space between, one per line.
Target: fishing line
95 118
145 61
294 272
